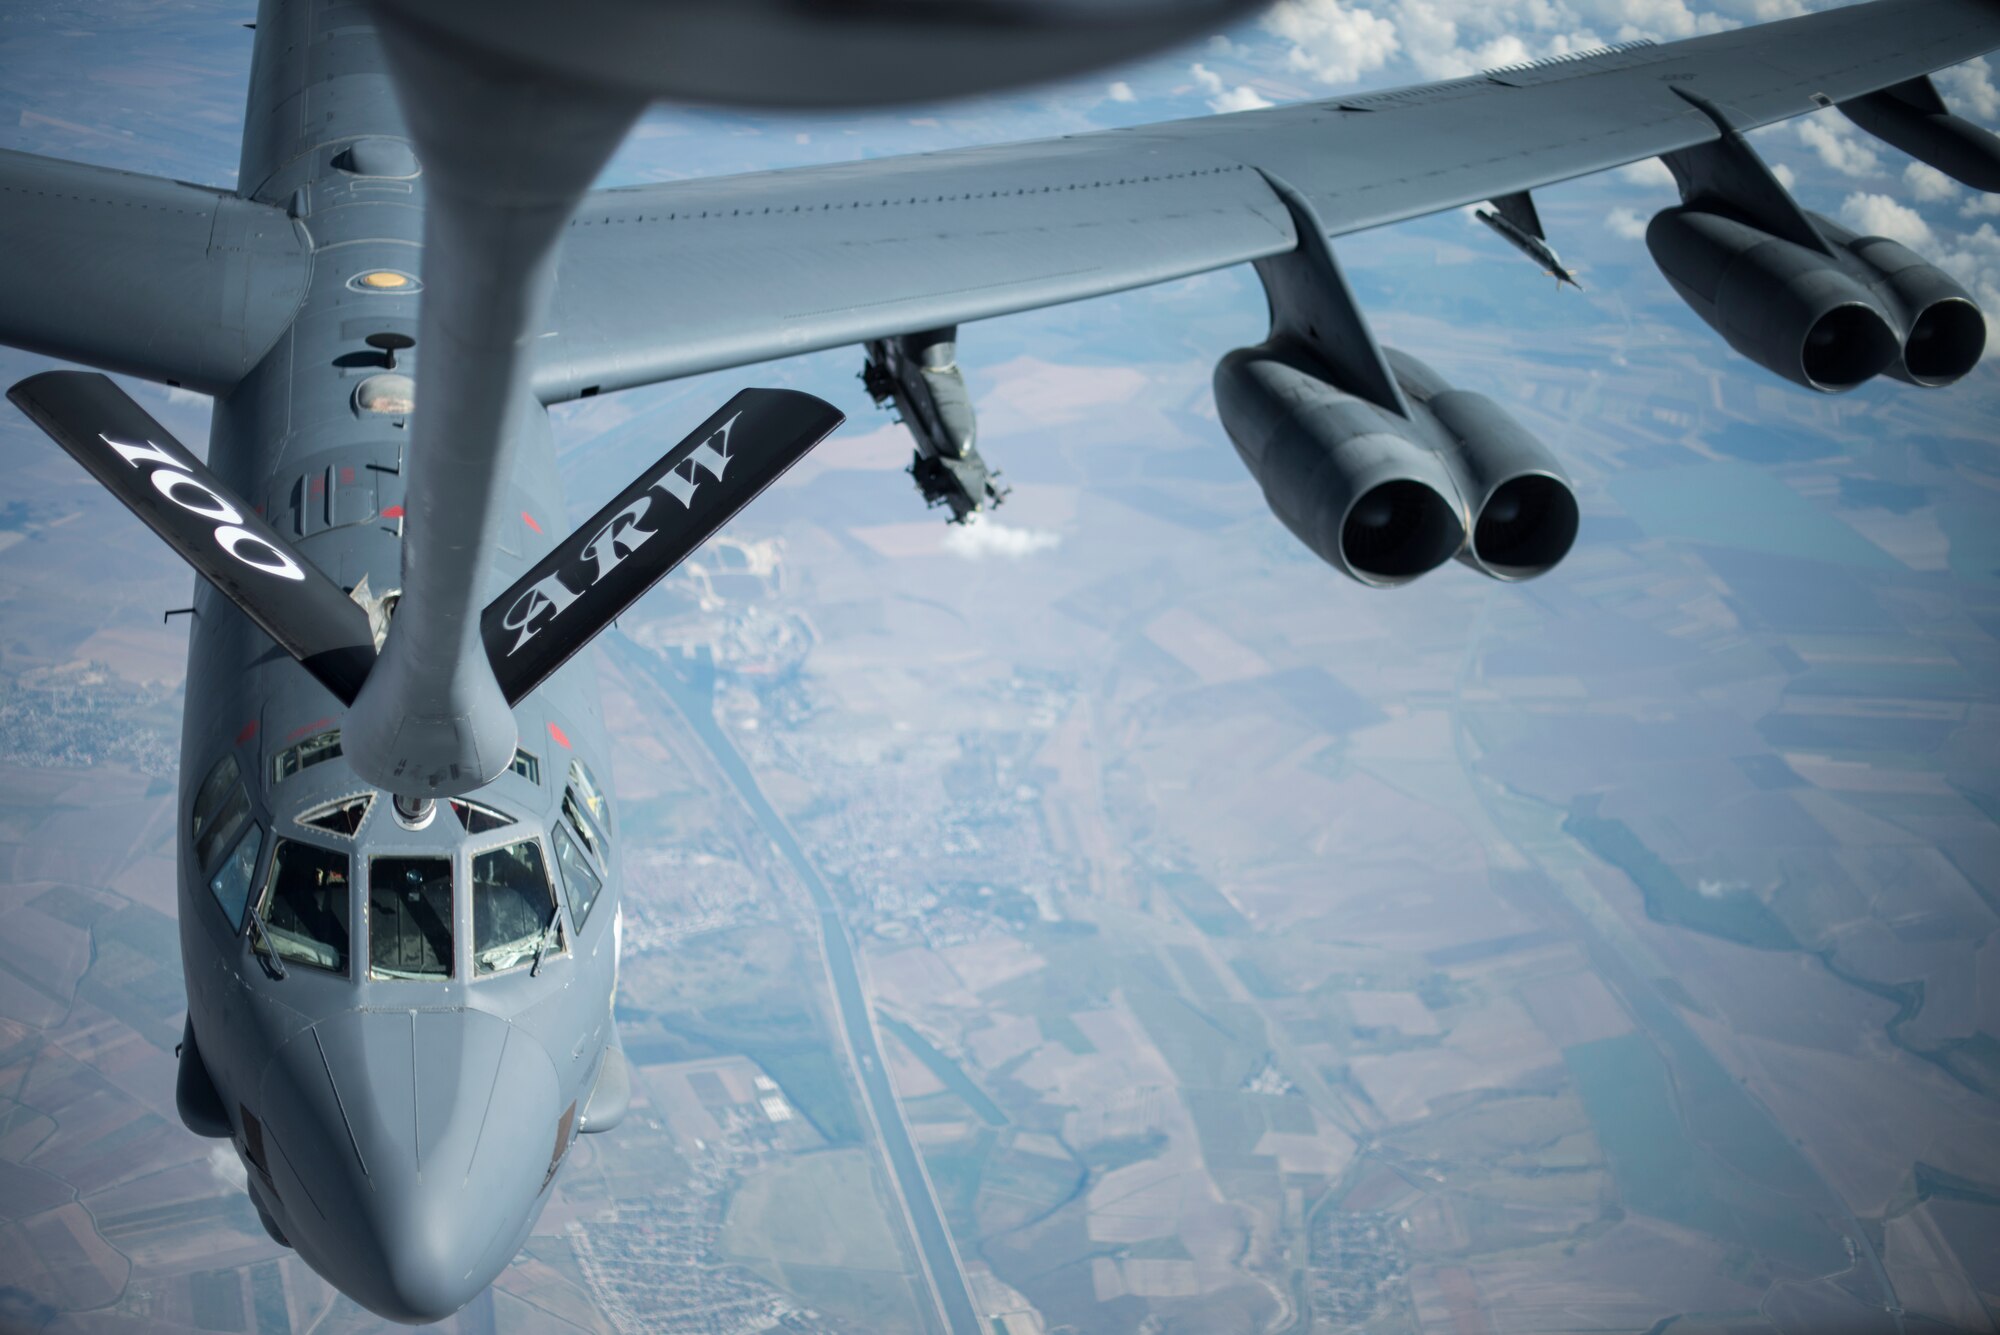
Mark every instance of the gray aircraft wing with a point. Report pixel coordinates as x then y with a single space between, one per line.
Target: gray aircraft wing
154 278
661 281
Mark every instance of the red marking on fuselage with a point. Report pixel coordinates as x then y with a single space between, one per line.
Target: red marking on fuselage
529 520
314 726
249 731
562 738
346 475
393 512
319 485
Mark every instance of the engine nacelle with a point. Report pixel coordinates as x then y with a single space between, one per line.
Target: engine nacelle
1384 498
1943 329
1344 475
1524 514
1914 118
1789 309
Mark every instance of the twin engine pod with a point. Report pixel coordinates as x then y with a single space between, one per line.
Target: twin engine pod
1385 498
1829 323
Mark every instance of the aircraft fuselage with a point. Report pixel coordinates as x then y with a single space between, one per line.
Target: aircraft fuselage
402 1047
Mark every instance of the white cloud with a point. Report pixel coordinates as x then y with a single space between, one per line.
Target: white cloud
1626 223
1879 215
1330 41
1969 88
227 1168
1928 184
1786 176
979 537
1121 92
1981 206
1974 260
1224 98
179 397
1648 171
1838 146
1239 98
1338 41
1764 11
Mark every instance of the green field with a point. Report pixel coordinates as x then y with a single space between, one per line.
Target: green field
816 1210
1737 916
945 1069
1691 1148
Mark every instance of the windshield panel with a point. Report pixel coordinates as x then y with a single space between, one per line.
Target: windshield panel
231 883
513 908
305 903
578 877
477 819
592 797
221 808
409 918
305 755
343 817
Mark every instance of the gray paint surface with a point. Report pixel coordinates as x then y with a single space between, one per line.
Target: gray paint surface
404 1130
668 280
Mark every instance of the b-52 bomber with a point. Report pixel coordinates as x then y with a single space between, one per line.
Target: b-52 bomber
398 863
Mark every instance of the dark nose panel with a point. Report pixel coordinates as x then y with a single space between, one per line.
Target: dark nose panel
412 1148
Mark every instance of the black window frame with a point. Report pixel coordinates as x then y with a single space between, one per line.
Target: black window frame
207 833
550 876
324 751
452 971
560 835
253 828
264 942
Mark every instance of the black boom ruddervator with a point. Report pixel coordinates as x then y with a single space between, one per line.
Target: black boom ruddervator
577 589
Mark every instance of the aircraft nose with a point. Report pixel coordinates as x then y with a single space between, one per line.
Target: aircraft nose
410 1149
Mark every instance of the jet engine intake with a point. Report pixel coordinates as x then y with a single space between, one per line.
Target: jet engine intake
1385 498
1944 331
1524 514
1792 311
1349 479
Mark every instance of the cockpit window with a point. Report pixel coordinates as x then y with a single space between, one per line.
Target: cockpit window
221 808
343 817
527 767
577 875
310 752
585 829
514 917
589 794
304 909
409 917
477 819
583 802
231 883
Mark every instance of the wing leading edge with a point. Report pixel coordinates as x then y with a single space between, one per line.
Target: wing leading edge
154 278
663 281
